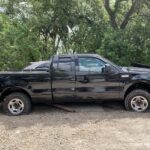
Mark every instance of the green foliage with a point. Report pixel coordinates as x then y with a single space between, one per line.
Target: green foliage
17 45
33 30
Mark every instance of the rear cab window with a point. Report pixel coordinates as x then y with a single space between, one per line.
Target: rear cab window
63 65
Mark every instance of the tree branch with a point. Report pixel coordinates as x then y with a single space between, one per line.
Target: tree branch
128 15
111 14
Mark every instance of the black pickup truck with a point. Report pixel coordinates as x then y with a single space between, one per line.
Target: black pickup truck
74 78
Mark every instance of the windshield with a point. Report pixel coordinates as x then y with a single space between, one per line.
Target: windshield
110 62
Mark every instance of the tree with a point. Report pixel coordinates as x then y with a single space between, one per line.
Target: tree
33 30
133 7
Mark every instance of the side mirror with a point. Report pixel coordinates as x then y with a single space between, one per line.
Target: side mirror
107 68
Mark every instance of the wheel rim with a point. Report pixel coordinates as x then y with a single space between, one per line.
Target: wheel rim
139 103
16 106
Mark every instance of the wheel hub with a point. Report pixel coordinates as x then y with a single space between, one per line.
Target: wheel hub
16 106
139 103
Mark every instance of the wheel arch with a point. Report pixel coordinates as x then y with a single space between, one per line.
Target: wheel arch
10 90
138 85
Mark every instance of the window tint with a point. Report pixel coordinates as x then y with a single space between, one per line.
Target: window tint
90 64
64 64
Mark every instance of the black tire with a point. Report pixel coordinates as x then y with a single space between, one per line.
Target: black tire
25 100
131 95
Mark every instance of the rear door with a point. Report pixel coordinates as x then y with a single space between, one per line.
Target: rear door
63 79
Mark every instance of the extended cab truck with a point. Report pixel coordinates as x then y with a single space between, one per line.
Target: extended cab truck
74 78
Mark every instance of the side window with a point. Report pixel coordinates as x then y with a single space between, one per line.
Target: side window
64 64
91 65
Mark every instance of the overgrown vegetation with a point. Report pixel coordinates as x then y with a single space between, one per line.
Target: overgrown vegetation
32 30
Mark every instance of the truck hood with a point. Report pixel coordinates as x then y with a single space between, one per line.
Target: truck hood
136 70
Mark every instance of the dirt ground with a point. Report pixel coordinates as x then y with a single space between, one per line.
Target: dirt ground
92 127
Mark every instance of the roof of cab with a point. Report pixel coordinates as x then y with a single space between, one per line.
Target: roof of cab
70 55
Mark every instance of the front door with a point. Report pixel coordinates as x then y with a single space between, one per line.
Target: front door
63 81
93 83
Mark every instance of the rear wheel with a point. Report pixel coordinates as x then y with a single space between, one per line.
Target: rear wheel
17 104
137 100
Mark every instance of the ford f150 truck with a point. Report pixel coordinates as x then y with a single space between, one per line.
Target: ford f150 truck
74 78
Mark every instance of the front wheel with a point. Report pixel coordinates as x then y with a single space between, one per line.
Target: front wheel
138 100
17 104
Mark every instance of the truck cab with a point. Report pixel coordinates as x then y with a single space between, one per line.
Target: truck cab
84 78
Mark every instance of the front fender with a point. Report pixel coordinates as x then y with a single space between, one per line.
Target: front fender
136 84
